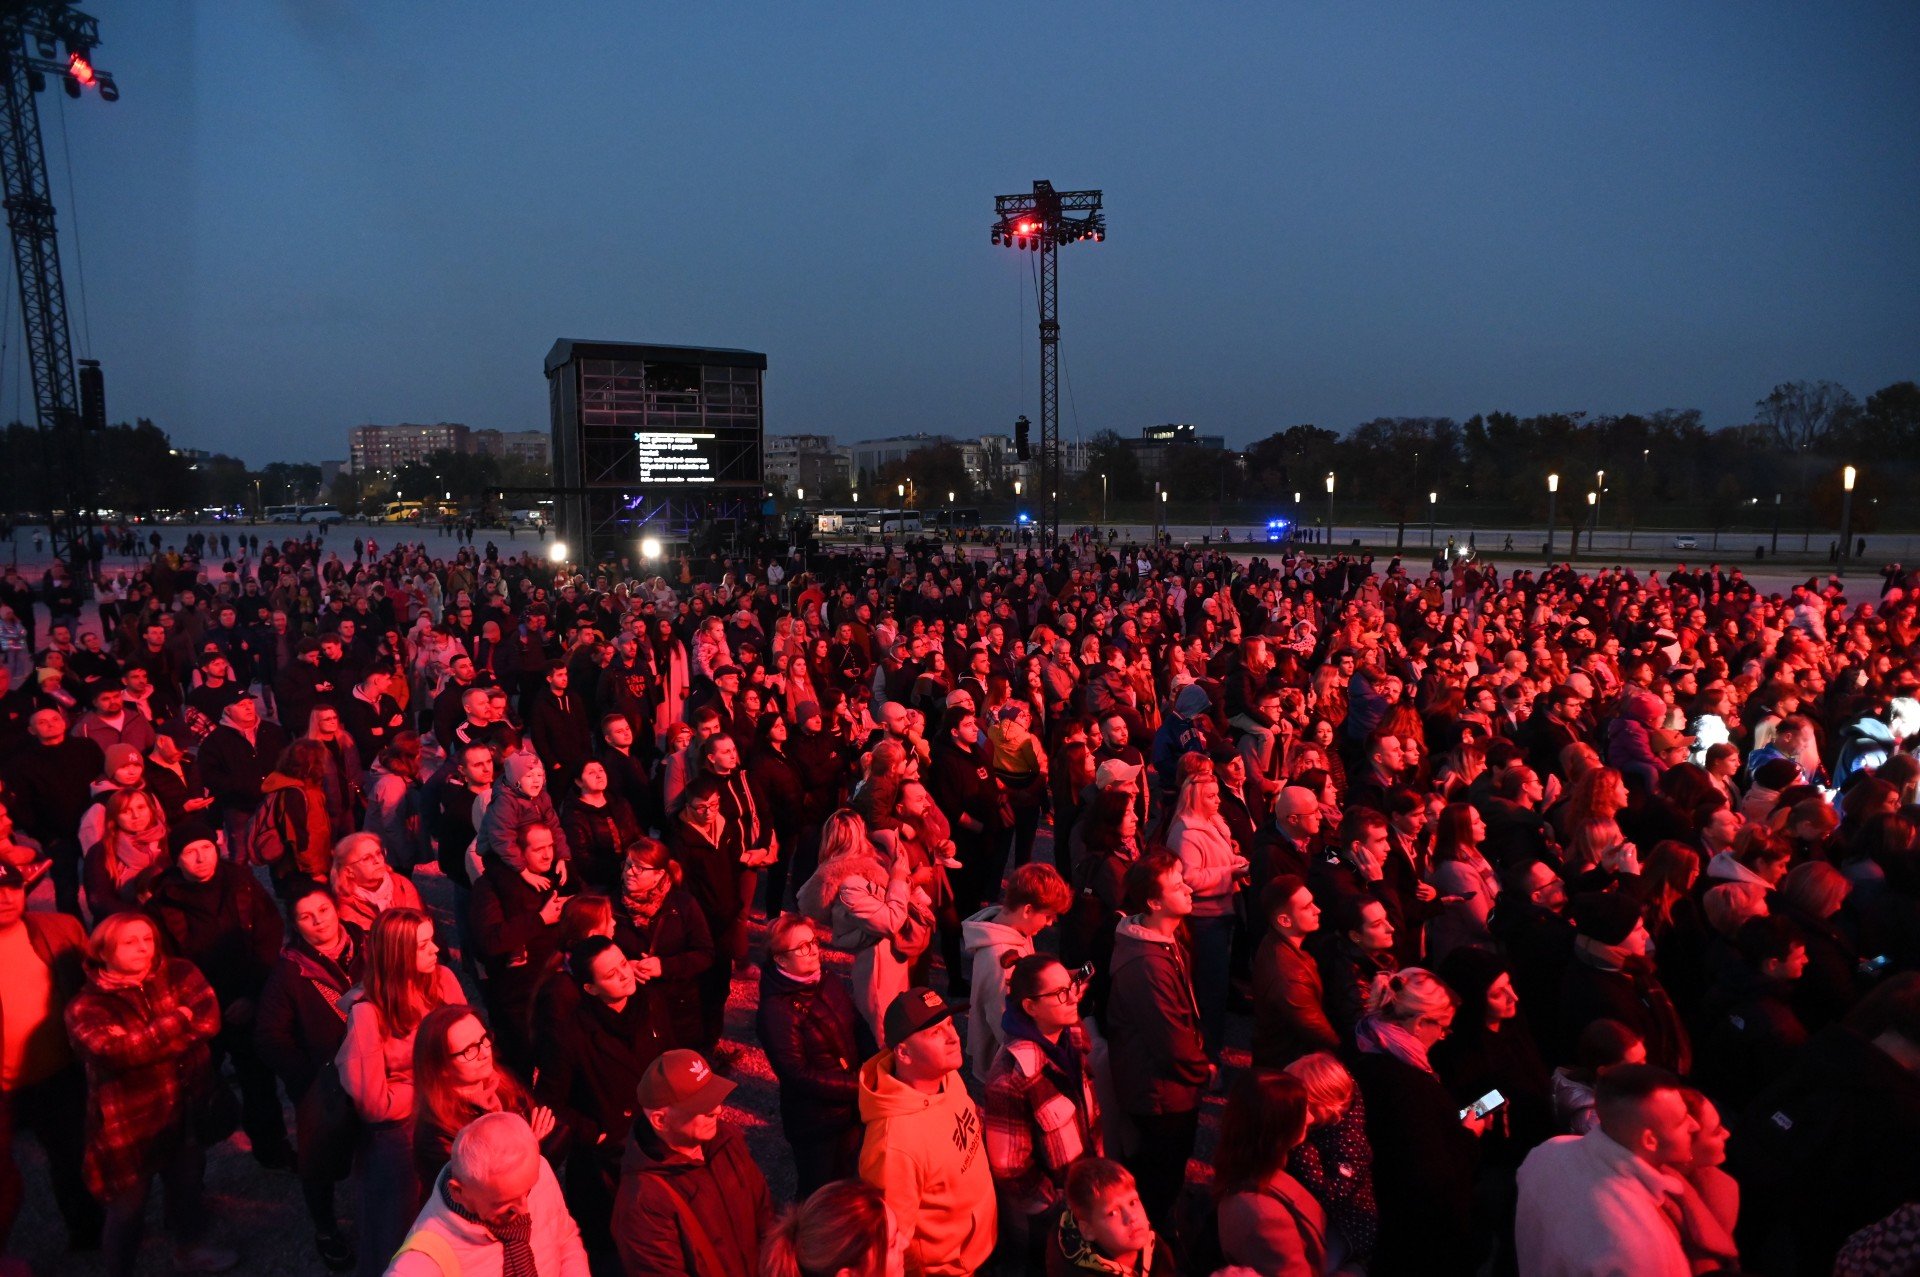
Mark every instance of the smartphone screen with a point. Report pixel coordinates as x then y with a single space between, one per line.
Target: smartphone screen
1484 1105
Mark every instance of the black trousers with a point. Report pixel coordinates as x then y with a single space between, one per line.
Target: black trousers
55 1111
1159 1165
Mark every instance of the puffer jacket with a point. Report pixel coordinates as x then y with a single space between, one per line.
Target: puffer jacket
510 811
815 1040
1206 852
1159 1059
864 908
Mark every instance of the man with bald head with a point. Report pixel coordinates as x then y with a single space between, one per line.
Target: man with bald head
495 1208
1290 842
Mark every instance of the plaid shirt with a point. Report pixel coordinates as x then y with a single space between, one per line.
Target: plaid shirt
1038 1122
146 1067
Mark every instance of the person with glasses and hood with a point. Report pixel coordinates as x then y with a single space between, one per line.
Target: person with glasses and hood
1042 1113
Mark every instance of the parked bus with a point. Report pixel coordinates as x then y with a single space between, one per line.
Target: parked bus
892 522
304 514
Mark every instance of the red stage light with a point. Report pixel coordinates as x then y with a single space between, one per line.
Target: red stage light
1027 228
79 68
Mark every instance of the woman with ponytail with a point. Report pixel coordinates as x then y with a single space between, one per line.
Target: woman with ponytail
845 1229
1425 1152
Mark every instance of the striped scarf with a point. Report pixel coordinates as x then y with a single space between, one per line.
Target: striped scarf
514 1232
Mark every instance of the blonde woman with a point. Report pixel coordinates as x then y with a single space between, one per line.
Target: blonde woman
365 885
873 909
1423 1169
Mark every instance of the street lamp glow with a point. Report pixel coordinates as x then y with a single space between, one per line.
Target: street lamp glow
1017 485
1329 483
799 494
649 547
949 498
1163 496
900 489
1296 498
1553 483
1593 498
557 552
856 497
1847 477
1433 498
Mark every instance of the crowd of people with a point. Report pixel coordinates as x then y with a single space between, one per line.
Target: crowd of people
1540 922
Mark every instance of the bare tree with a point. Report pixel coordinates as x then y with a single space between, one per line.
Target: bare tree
1804 414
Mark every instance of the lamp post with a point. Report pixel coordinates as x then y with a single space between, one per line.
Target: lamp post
1774 550
1599 486
1433 505
1553 499
1593 519
1847 477
1103 497
1163 515
1329 511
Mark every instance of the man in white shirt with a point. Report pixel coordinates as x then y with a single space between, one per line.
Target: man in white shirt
1607 1203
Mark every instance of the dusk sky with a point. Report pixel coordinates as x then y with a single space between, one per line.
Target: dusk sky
307 214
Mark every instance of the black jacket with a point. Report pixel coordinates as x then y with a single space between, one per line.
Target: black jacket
1748 1035
299 1025
1424 1161
822 767
816 1042
562 737
1826 1150
227 926
590 1060
53 786
233 769
678 935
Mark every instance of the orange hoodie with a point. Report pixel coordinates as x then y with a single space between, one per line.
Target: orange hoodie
924 1153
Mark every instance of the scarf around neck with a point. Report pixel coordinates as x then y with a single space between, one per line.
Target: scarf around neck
514 1232
1377 1036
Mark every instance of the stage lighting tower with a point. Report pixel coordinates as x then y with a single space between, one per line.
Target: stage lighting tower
1043 220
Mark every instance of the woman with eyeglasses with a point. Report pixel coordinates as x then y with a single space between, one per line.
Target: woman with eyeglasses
455 1079
659 925
816 1041
403 981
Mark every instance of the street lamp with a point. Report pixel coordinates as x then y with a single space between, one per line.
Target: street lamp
799 494
1103 497
1599 486
1846 517
1775 549
1329 510
1553 499
1433 503
1593 519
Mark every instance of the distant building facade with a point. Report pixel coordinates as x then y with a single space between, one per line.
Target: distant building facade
1155 442
372 448
808 463
528 447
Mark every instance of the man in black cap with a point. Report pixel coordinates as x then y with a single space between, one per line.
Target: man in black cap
1611 978
923 1148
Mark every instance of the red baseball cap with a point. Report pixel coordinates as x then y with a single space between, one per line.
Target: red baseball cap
683 1080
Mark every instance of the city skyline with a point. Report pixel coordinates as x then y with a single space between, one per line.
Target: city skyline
299 219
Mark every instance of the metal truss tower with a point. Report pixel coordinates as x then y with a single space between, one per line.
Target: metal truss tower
1043 220
39 40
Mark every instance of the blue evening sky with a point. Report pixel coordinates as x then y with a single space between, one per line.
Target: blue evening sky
306 214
